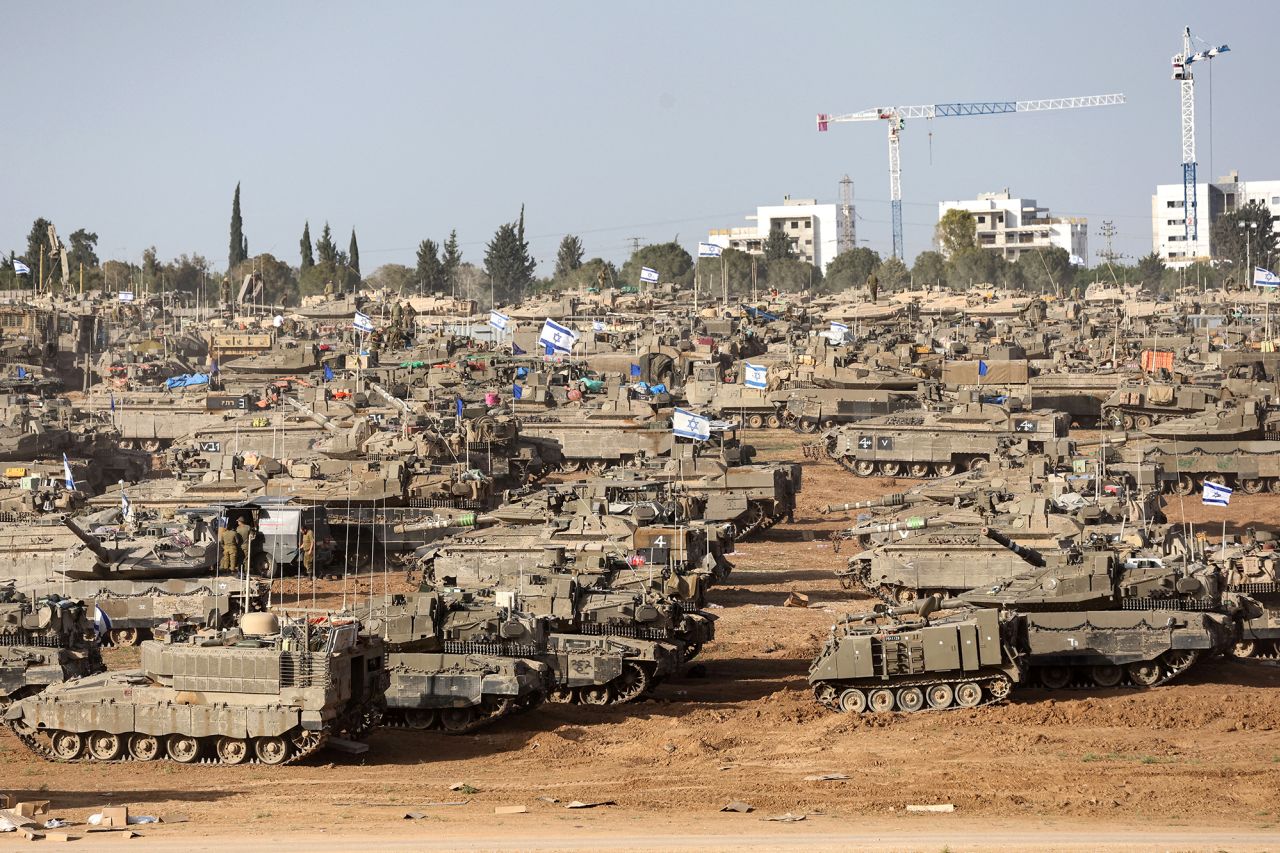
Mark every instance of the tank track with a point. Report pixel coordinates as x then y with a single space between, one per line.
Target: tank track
474 718
764 522
995 689
1171 665
854 578
36 746
608 693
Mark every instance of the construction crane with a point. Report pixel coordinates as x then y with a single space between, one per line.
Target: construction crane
896 117
1182 72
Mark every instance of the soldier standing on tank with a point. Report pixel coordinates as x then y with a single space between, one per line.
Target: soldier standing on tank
873 286
308 549
244 538
229 544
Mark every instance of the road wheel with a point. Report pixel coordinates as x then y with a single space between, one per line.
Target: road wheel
633 683
151 445
231 750
968 695
1055 677
1185 485
853 701
561 694
755 421
457 720
1144 673
1142 422
919 470
807 426
1216 479
104 746
421 718
881 701
1106 674
1245 649
977 463
864 468
944 469
271 750
904 595
183 749
890 469
144 747
773 421
940 696
596 694
910 699
1127 421
1252 487
66 746
122 637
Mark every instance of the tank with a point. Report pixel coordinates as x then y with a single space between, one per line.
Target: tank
43 641
456 663
271 694
1141 405
1229 420
926 443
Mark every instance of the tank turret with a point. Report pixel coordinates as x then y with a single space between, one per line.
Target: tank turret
1030 555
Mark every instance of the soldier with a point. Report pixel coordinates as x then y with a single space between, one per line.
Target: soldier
244 537
229 543
308 549
873 286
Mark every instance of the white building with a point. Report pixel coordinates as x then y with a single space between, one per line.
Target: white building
1013 226
1168 224
813 229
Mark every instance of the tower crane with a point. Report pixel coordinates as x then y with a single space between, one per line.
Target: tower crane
1182 72
896 118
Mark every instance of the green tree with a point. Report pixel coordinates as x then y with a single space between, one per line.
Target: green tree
82 251
778 245
239 244
930 268
150 268
353 255
732 265
530 265
850 268
670 259
506 262
279 281
185 273
569 257
37 242
429 275
326 249
792 275
395 278
893 273
957 231
973 267
1150 269
1245 236
450 260
304 246
1046 270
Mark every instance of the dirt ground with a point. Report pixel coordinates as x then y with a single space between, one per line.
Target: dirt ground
1190 766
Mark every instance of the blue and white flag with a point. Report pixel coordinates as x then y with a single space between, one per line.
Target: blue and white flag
597 326
499 320
516 349
755 375
101 621
20 268
517 391
982 367
22 373
362 323
1216 495
66 473
839 329
125 296
556 338
126 508
688 425
709 250
649 275
1265 278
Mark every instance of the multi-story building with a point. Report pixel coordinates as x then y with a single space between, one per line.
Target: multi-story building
1168 220
812 228
1014 226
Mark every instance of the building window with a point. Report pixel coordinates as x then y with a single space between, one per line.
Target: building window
808 242
1275 199
794 224
1173 204
982 220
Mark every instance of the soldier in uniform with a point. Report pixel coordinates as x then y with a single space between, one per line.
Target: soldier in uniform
244 537
229 543
873 286
308 549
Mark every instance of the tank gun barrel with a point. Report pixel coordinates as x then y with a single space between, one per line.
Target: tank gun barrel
99 550
892 499
915 522
1029 555
396 402
314 416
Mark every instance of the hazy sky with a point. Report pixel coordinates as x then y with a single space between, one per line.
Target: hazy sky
608 120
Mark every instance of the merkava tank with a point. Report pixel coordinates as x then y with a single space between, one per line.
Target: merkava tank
1251 566
1242 419
457 663
1141 405
285 358
43 641
594 439
270 692
926 443
1083 623
152 420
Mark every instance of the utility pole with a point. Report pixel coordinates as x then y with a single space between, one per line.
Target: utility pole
848 238
635 244
1108 232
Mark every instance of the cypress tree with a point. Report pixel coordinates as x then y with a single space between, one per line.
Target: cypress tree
239 244
308 259
353 254
450 260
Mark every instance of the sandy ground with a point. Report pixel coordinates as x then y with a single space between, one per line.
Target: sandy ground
1191 766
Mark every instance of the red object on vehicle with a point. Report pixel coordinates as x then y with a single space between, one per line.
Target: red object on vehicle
635 560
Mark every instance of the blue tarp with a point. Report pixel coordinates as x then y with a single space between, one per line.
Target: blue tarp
188 381
759 314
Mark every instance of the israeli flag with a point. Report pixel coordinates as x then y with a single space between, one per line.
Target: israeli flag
982 368
126 508
66 474
1265 278
125 296
556 337
688 425
1215 495
839 330
1076 261
499 320
597 326
362 323
755 375
101 621
709 250
649 275
20 268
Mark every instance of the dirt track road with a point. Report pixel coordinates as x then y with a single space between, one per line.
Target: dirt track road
1191 766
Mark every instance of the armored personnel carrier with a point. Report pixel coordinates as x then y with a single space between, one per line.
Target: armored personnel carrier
268 692
456 663
924 443
43 642
1141 405
1084 623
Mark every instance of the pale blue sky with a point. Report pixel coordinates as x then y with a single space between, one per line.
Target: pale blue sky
609 120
